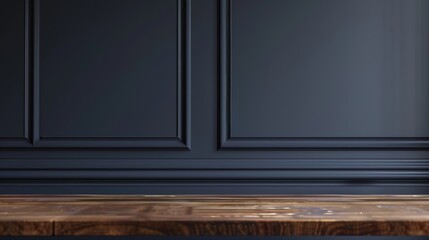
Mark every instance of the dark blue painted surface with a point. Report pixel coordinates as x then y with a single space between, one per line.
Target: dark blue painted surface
12 74
107 97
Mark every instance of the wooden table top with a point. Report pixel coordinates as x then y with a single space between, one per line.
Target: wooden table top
213 215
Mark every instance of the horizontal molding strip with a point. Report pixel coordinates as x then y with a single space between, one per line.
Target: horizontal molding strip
212 188
229 164
324 143
361 175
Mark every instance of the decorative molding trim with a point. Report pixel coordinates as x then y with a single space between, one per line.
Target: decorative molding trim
197 164
227 142
224 73
180 142
199 187
299 170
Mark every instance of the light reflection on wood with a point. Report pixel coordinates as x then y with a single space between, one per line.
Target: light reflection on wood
215 215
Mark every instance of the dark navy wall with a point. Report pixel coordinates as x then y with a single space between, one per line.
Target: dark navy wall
214 96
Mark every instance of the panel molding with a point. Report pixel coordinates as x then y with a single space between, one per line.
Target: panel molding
24 141
198 187
233 169
228 172
227 142
182 140
394 165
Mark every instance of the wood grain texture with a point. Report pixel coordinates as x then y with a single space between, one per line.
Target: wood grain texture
214 215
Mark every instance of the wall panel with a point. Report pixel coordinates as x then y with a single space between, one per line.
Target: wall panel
14 125
112 74
324 74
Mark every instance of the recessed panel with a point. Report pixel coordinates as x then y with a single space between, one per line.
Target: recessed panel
328 69
12 70
110 69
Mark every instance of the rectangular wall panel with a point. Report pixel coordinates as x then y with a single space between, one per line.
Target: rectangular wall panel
14 130
324 74
112 74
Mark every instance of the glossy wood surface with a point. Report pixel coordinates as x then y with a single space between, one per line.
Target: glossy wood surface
214 215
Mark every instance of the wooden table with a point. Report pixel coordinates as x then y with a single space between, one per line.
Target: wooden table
214 215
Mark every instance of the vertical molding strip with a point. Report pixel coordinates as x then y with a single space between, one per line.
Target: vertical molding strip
225 70
184 71
188 83
28 71
35 70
